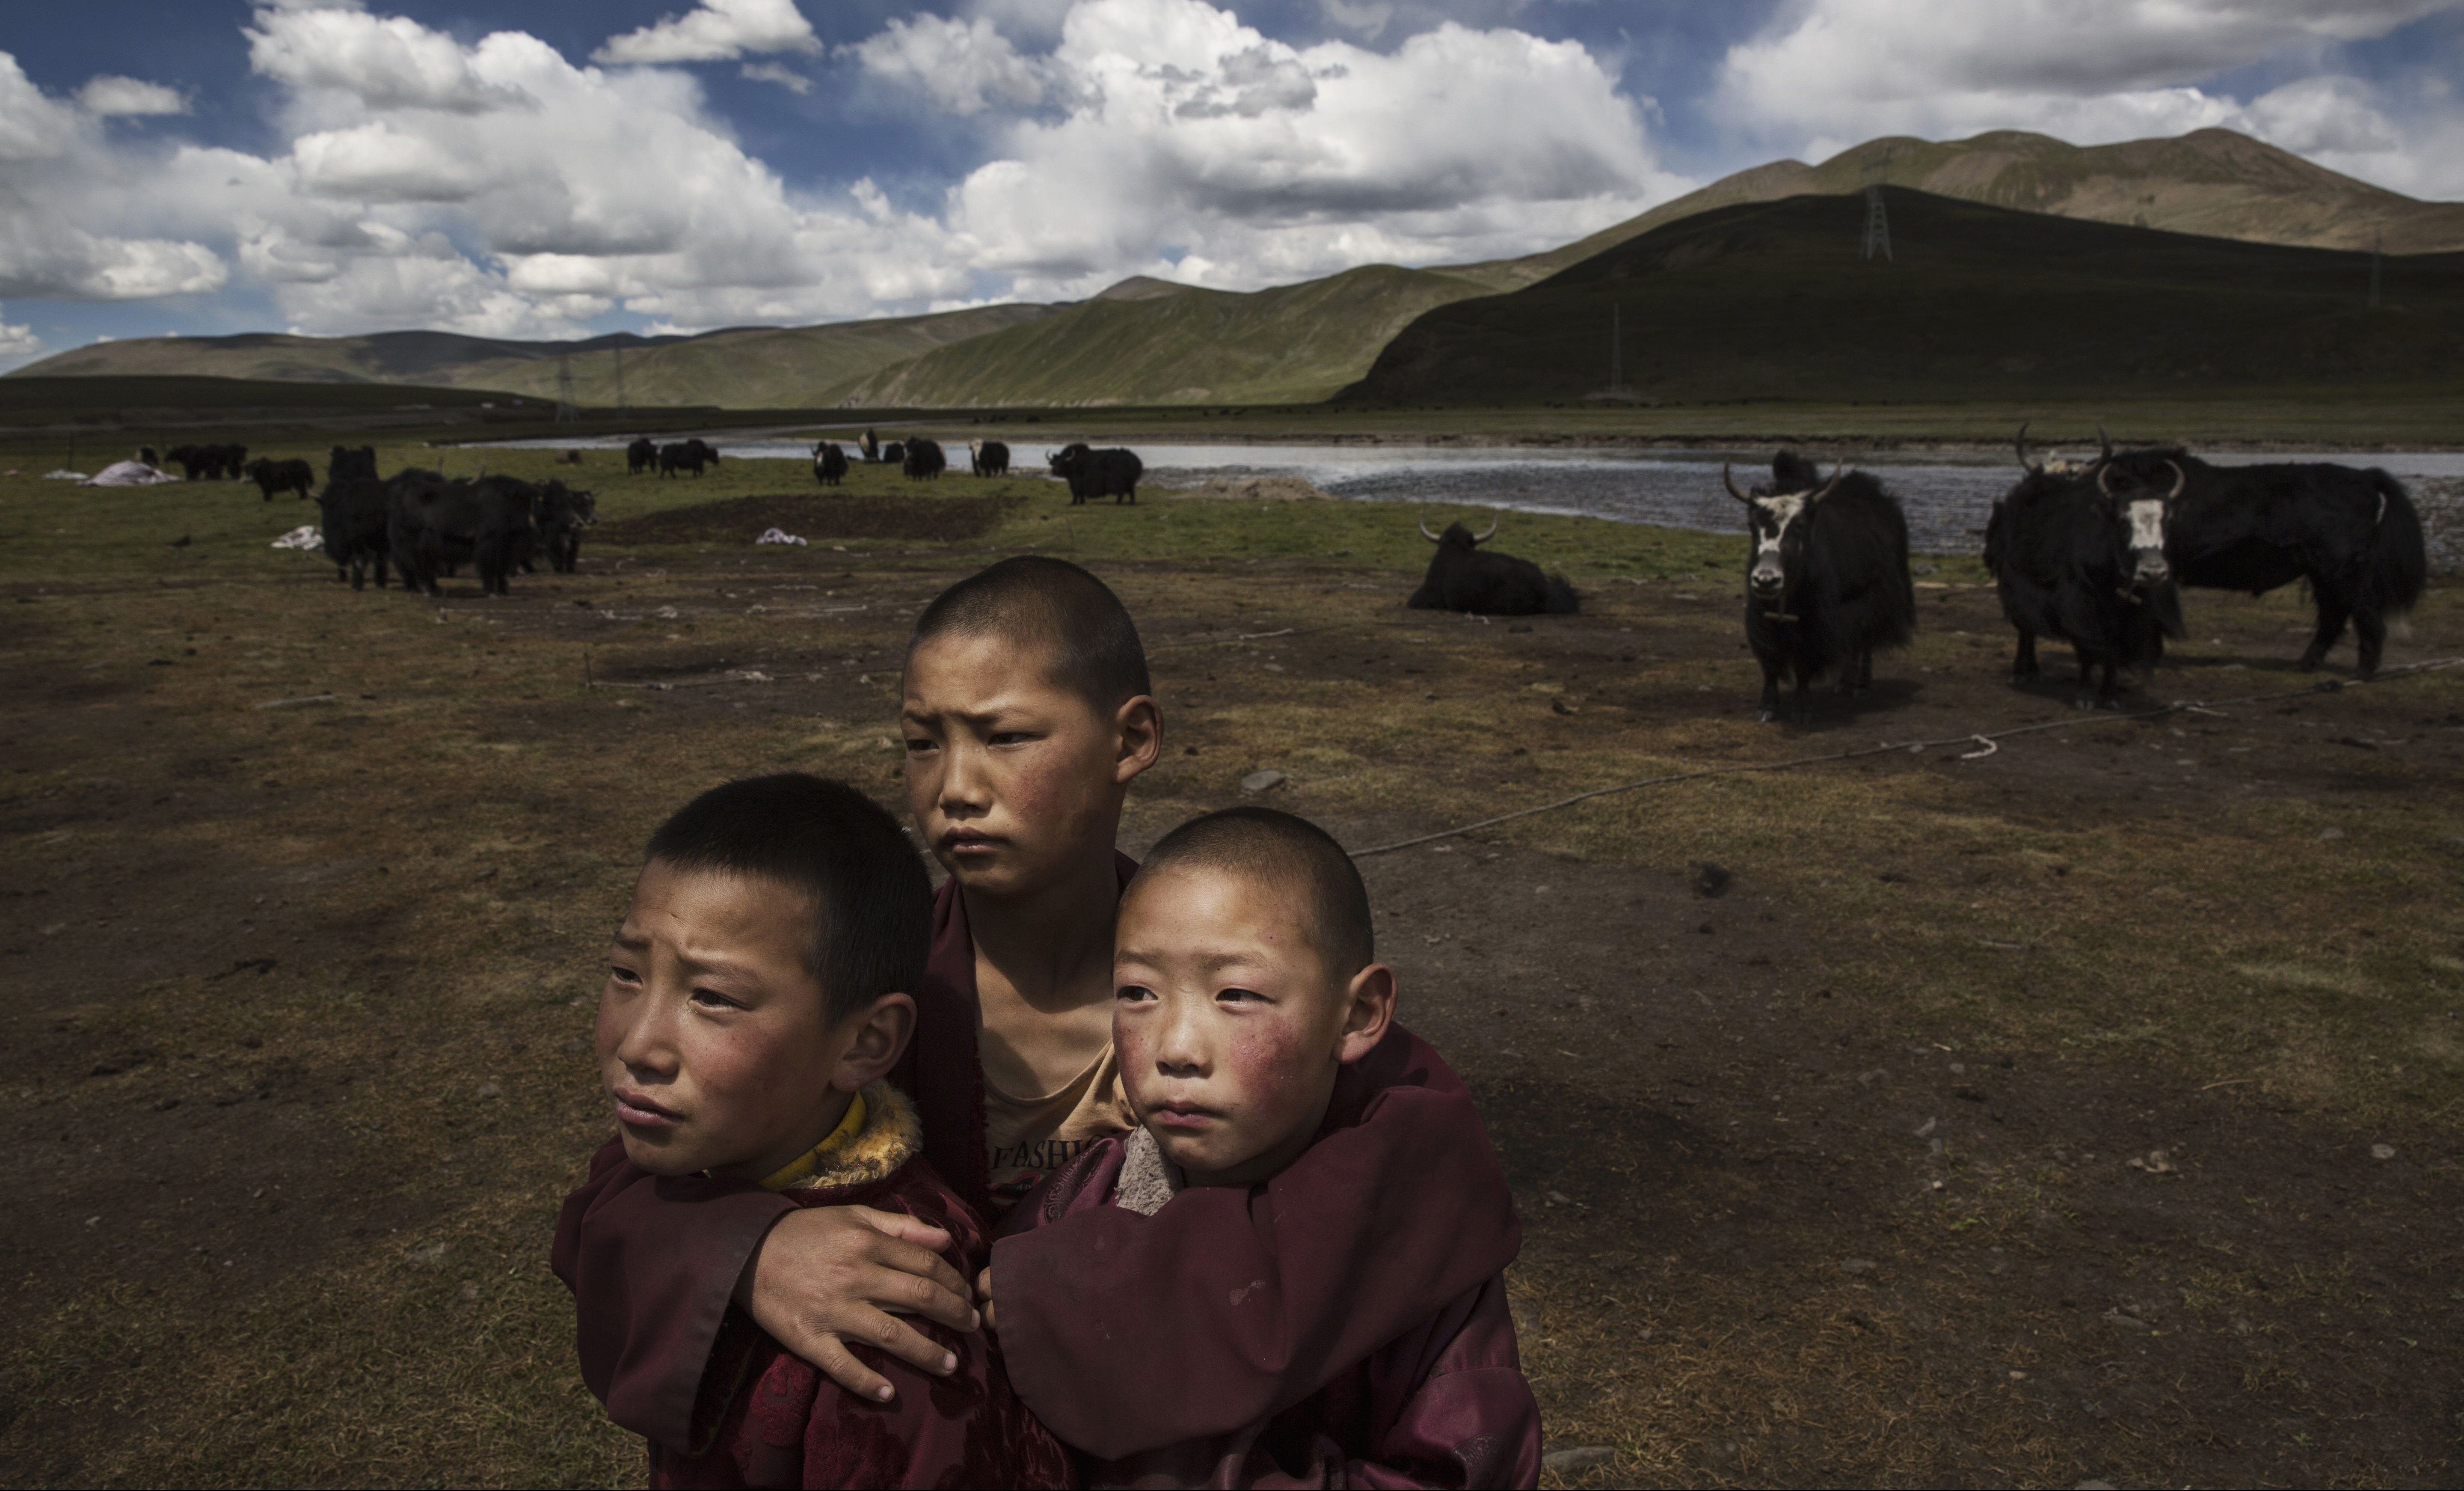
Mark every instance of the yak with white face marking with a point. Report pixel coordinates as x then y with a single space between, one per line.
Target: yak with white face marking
2082 558
2352 534
1827 582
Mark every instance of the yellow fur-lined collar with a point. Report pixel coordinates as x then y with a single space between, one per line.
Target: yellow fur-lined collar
892 1136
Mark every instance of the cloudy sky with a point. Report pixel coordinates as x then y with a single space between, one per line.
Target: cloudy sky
540 169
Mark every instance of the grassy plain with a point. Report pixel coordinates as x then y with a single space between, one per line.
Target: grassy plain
1841 1174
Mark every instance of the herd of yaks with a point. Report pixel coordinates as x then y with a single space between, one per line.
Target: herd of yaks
2094 552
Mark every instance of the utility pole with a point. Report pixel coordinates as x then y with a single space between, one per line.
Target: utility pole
2377 241
565 413
1878 225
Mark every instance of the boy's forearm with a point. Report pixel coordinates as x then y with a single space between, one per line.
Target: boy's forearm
652 1263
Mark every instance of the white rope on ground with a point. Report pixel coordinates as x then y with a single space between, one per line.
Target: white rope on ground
1914 747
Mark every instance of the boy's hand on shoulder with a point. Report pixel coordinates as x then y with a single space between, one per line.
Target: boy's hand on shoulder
828 1276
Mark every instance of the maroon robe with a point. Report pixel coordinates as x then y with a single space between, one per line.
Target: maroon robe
655 1261
766 1417
1445 1404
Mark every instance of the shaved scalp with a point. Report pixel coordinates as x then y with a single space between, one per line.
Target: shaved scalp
1290 854
1090 645
872 900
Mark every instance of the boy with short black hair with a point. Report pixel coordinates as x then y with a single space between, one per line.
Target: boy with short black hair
758 992
1026 713
1246 987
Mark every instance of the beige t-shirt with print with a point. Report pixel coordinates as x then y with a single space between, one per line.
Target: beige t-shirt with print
1031 1137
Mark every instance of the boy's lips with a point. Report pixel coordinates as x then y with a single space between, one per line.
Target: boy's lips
1183 1116
636 1109
970 841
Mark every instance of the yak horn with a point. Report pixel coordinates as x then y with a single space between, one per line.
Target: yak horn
1495 516
2104 479
2021 445
2104 441
2181 480
1434 538
1731 484
1836 471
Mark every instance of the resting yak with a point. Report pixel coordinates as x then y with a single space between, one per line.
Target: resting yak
829 463
2353 534
1090 473
282 476
2080 556
924 460
1827 585
988 459
1462 578
893 454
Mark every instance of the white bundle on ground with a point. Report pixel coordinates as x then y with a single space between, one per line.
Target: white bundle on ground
63 474
779 536
305 536
128 474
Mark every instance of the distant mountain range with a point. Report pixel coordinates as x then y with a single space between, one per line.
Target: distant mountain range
1149 341
1775 300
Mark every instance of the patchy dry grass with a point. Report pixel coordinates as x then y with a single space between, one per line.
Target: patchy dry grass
322 1188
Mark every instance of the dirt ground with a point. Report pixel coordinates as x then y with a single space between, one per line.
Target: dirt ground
1924 1117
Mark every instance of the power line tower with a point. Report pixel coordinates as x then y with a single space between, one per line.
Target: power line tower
2377 241
1877 223
565 411
620 378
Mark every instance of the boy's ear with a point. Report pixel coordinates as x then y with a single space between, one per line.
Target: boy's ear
1137 731
881 1036
1369 1012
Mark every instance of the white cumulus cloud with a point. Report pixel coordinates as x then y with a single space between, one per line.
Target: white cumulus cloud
113 95
786 77
18 345
964 67
717 31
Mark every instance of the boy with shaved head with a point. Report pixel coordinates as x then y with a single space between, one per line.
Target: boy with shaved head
1027 712
1247 990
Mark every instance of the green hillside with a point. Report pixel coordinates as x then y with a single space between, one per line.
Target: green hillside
2210 181
1772 301
744 368
1145 341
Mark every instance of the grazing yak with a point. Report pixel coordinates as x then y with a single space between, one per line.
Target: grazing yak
686 456
344 463
434 525
560 515
829 463
210 462
895 453
1827 583
282 476
642 455
2075 559
924 460
2353 534
357 510
988 459
1461 577
1090 473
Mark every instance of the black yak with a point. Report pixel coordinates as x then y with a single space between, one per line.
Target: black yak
434 525
1827 581
988 459
345 463
282 476
924 460
895 453
2353 534
829 463
1090 473
560 515
686 456
2081 558
642 455
1461 577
